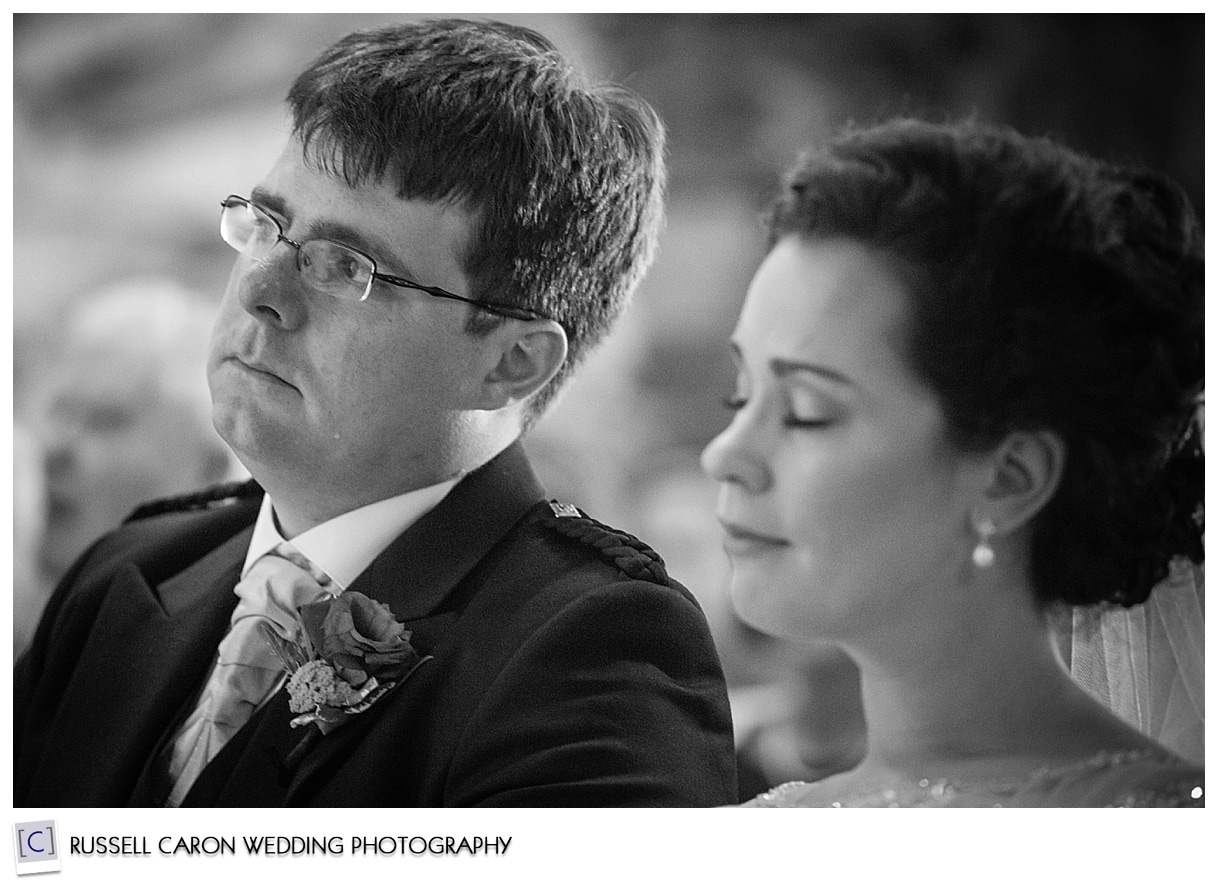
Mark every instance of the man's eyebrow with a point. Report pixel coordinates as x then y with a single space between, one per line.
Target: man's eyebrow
268 200
345 234
335 231
784 366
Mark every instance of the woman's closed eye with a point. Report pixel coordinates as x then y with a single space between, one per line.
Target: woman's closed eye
793 418
797 422
808 408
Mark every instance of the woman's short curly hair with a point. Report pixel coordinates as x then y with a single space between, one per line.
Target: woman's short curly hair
1048 291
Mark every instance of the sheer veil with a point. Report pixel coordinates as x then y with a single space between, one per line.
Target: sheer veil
1148 663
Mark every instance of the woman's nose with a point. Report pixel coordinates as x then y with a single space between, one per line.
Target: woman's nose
734 457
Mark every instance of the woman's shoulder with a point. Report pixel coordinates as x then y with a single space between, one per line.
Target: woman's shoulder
792 794
1144 777
1130 778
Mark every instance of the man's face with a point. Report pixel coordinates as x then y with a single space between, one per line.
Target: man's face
355 401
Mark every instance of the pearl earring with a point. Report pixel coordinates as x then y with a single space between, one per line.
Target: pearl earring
983 554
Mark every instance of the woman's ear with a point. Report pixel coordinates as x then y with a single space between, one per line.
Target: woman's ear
1026 471
529 355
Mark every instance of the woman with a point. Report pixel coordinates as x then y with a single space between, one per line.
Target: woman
968 374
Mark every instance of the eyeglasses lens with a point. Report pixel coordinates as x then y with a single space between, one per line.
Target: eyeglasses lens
247 229
326 266
335 269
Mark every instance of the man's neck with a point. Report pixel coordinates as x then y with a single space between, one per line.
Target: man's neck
345 545
304 501
297 512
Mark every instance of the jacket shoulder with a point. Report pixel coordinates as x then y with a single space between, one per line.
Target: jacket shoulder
216 496
628 553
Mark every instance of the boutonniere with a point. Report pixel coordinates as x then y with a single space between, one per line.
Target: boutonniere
352 653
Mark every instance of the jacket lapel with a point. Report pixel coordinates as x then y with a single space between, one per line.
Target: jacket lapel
164 637
419 569
414 576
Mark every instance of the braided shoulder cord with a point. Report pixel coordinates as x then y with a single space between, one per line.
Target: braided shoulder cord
202 499
629 554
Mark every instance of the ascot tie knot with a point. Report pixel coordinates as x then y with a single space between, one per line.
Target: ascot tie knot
274 588
247 668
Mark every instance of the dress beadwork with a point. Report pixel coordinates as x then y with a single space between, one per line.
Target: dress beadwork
1119 779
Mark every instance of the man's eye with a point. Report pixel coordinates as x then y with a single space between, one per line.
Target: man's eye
349 268
734 402
262 225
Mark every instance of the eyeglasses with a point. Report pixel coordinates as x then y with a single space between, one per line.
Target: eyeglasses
329 267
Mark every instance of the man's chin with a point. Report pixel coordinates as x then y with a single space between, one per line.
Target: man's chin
256 436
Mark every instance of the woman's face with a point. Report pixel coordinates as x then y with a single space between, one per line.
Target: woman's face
845 509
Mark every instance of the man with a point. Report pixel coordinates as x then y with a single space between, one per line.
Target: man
454 222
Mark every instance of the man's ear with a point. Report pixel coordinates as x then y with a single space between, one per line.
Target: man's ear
529 355
1026 469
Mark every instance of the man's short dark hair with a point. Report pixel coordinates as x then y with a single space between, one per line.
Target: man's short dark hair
564 179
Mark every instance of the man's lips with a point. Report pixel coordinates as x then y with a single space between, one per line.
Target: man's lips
259 368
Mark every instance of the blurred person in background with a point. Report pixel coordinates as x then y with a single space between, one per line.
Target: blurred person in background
121 416
457 219
125 414
968 382
30 590
803 722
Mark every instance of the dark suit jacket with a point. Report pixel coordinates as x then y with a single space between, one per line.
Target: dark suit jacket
567 669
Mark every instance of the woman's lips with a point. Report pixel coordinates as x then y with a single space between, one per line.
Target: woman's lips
740 540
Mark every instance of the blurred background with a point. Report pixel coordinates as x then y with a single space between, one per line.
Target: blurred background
128 130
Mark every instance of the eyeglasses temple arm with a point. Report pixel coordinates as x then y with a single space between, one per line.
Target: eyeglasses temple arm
517 312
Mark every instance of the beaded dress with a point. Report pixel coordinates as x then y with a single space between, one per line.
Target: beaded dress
1131 778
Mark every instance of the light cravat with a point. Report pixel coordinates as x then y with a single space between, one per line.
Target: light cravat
246 668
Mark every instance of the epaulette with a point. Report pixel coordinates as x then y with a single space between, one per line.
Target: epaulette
219 494
629 554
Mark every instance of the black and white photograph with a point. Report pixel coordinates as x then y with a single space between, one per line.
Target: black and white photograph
606 411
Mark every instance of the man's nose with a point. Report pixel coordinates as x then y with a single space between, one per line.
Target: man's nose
271 288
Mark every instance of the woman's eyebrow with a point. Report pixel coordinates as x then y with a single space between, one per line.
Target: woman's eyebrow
783 367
